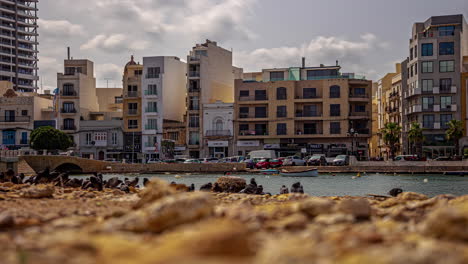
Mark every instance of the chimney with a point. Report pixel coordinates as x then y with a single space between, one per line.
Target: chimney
337 63
68 53
303 62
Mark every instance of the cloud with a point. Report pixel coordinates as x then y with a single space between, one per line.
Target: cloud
352 55
60 29
113 43
108 72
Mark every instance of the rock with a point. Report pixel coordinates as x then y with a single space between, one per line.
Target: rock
6 220
288 250
448 223
231 184
314 206
39 191
359 208
292 222
411 196
331 219
164 213
154 190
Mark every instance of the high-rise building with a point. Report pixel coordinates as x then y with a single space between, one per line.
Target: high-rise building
303 109
18 45
433 91
210 78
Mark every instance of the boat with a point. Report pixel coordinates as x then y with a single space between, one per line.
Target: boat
304 173
456 173
269 171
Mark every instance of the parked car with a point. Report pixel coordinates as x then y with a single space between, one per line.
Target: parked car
170 161
275 163
180 160
341 160
152 161
442 158
192 161
263 164
251 163
410 158
317 160
210 160
293 161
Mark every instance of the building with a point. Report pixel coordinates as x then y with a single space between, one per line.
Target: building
174 131
164 77
464 87
101 139
218 129
433 91
210 78
18 63
131 99
375 148
303 110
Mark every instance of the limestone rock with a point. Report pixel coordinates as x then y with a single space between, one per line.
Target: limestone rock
39 191
448 223
315 206
166 212
6 220
411 196
359 208
154 190
231 183
332 219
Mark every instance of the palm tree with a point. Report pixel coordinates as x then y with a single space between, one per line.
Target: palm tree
415 137
454 132
391 136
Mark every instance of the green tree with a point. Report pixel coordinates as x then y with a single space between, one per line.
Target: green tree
391 136
454 132
50 138
415 138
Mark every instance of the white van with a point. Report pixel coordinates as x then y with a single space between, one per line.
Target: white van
267 154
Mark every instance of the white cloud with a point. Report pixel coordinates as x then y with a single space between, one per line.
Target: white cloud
113 43
108 72
60 28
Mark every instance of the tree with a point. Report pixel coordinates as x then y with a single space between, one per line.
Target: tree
391 136
415 137
50 138
454 132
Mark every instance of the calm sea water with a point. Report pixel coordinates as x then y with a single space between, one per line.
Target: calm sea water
329 185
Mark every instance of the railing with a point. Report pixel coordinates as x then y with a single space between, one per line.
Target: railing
194 142
194 74
24 142
308 97
365 113
69 127
194 90
253 98
253 133
132 111
281 132
308 132
67 111
152 76
212 133
194 108
247 115
151 127
393 94
358 95
149 92
364 131
151 110
429 108
68 93
14 119
132 93
308 114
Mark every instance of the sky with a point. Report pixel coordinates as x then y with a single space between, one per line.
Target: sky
366 36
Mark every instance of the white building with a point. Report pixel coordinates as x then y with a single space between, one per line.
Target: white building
163 77
218 129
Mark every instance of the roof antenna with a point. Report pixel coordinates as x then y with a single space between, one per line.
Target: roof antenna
68 53
336 62
303 62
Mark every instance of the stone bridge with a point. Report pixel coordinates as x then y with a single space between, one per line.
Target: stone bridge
81 165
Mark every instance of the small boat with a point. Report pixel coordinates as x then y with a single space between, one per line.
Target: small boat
269 171
304 173
456 173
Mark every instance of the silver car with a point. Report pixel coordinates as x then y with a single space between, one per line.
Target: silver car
293 161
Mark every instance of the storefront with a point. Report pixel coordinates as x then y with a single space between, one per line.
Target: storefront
245 146
218 149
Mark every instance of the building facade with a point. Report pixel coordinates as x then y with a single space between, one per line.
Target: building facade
18 45
101 139
433 93
175 131
218 129
303 110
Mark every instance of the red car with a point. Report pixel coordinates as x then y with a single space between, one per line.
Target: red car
268 163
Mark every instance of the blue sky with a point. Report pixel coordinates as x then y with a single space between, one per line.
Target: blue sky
366 36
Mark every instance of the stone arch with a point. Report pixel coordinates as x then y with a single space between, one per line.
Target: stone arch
69 167
218 123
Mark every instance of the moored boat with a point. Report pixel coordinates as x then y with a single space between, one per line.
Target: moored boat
269 171
304 173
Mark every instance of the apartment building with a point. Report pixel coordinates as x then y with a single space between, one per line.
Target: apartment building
464 87
18 45
218 129
174 131
164 78
101 139
433 91
131 100
303 109
210 78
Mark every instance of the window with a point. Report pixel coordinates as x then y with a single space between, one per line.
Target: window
360 92
68 89
260 112
100 136
335 128
132 91
427 67
335 110
261 129
281 129
153 72
152 124
309 93
10 115
310 111
24 112
88 139
281 111
412 71
118 99
447 66
334 91
132 124
428 103
321 74
276 76
194 103
68 107
138 72
411 54
446 48
447 31
428 121
427 85
416 68
69 124
445 102
243 112
260 95
218 124
310 129
152 89
152 107
360 108
194 138
281 93
445 84
132 108
114 140
427 49
444 119
243 128
194 121
415 51
244 93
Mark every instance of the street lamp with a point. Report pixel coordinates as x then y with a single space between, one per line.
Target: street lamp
352 134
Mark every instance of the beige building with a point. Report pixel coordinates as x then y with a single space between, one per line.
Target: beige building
303 109
210 78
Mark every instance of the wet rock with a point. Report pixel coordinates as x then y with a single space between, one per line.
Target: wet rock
314 206
39 191
154 190
359 208
164 213
448 223
411 196
231 183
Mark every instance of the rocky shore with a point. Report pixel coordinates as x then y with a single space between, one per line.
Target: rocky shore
165 223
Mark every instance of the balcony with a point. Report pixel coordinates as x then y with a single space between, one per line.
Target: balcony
254 98
151 93
218 133
132 111
15 119
150 127
152 76
194 90
132 94
412 92
68 93
24 142
151 110
308 114
359 114
363 131
194 74
352 95
302 97
253 133
68 127
309 131
394 94
247 115
68 111
448 89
